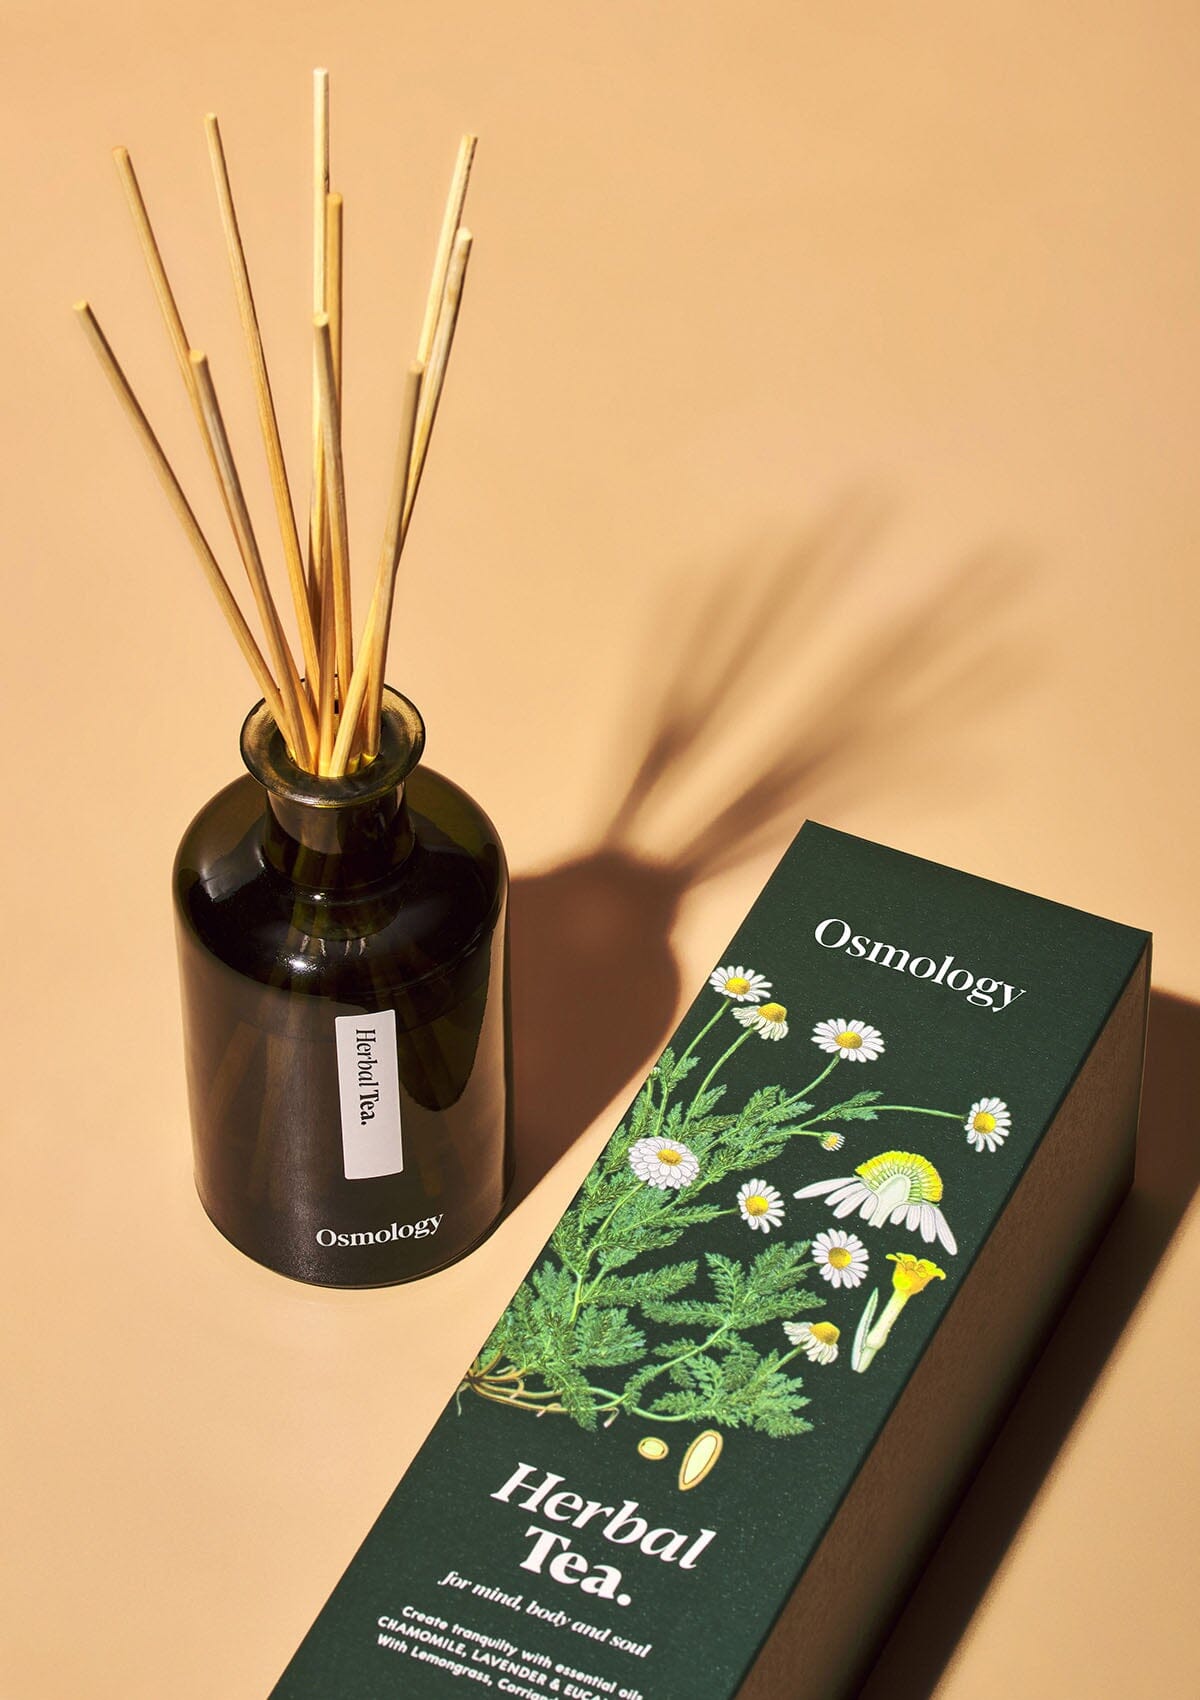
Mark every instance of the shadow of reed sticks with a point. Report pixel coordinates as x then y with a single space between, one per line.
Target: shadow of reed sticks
723 694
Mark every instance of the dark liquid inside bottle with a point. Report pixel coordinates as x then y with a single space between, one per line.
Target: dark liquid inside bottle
342 958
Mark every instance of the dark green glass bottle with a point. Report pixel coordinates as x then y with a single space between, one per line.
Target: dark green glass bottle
345 1007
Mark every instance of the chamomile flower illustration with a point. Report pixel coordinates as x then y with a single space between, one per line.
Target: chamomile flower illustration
741 984
663 1162
573 1342
988 1124
896 1186
761 1205
817 1340
841 1258
770 1021
850 1041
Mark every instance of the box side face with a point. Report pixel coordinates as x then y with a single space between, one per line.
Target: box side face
946 1415
655 1437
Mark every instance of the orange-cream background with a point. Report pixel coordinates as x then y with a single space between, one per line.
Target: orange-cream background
821 439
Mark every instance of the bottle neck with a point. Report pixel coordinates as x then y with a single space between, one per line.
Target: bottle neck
332 847
331 834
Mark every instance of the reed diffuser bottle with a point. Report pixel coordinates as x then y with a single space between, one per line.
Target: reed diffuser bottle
341 949
340 911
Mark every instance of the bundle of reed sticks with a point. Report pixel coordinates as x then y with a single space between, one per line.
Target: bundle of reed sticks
328 705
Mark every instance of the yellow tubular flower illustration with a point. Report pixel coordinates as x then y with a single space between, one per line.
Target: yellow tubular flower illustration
913 1274
910 1276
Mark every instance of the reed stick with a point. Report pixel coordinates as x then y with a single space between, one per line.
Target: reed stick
152 255
163 293
327 716
296 731
451 220
331 441
364 698
332 717
317 514
335 213
424 394
267 416
226 600
343 641
435 377
320 187
301 726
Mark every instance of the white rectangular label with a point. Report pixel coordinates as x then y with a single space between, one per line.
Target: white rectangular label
369 1088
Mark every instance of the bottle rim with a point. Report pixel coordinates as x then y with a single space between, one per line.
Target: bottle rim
401 742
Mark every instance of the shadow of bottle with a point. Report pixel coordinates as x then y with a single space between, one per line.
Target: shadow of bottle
933 1621
595 978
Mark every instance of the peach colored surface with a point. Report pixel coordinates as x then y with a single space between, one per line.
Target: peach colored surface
821 439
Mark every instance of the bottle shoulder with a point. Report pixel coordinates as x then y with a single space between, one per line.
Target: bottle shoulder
412 925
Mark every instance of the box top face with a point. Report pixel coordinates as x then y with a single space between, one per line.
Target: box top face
651 1443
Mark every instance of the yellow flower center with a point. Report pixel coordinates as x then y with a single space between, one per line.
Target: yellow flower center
913 1274
984 1122
849 1041
773 1012
737 984
826 1333
924 1182
757 1205
840 1258
669 1155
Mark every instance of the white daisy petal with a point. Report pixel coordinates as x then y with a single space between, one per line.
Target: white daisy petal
849 1188
814 1188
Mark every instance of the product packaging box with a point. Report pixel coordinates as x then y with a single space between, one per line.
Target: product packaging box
710 1441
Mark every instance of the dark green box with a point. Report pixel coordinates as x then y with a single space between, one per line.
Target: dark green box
782 1315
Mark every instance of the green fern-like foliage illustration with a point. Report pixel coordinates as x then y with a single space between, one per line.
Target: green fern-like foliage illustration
610 1325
